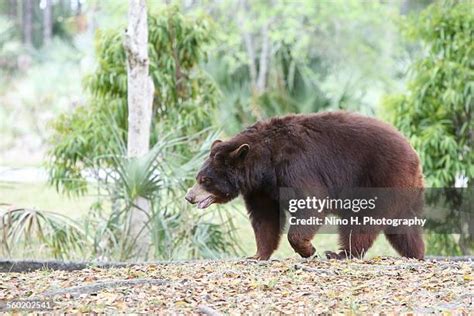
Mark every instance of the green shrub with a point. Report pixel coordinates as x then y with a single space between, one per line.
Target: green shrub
437 113
184 96
90 142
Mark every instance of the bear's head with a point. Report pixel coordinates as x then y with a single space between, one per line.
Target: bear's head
218 178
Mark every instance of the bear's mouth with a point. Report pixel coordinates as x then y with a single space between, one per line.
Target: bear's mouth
198 195
206 202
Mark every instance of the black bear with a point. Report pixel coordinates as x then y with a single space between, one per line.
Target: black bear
325 150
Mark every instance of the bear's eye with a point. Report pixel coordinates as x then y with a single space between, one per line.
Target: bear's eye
205 180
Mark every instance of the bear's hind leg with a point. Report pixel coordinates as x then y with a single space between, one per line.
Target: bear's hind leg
354 243
409 244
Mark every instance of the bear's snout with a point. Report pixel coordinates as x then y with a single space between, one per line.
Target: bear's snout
198 195
190 196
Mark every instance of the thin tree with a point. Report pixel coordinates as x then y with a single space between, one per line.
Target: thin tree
12 7
140 100
47 22
28 22
258 75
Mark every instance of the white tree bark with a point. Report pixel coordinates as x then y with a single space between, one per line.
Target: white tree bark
258 78
48 22
264 59
247 41
28 23
140 100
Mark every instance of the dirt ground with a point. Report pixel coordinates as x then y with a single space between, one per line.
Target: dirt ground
390 285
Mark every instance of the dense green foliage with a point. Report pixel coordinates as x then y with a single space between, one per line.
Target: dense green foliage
91 142
177 230
320 56
183 101
437 113
28 229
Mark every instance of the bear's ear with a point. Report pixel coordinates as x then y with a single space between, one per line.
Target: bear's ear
240 152
217 141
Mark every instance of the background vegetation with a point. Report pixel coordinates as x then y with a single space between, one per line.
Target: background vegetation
217 66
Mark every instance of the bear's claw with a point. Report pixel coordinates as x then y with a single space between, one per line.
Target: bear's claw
333 255
258 257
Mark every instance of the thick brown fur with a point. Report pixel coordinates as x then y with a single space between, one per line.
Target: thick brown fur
325 150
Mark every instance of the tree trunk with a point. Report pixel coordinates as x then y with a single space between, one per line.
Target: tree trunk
12 5
47 23
248 41
28 22
92 18
79 8
264 58
140 99
64 8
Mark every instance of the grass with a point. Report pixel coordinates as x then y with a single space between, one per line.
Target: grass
44 197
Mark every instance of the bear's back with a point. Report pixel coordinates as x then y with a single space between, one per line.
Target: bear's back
340 149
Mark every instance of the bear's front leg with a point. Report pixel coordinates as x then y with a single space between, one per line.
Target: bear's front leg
300 235
267 236
300 239
265 218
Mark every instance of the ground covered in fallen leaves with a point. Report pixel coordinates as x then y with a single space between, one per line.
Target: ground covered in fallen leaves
235 287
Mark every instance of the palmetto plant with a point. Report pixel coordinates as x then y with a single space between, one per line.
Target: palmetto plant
161 178
28 229
91 141
184 96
